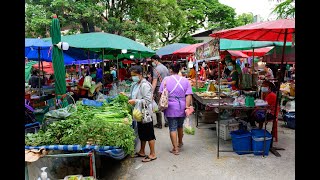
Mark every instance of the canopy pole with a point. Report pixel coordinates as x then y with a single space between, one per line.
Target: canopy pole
252 68
39 78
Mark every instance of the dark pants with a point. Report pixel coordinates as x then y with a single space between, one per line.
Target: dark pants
157 96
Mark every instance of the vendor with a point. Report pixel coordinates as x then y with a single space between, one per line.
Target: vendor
233 77
271 98
192 73
268 72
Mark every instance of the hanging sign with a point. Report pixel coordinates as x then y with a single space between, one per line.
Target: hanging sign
208 51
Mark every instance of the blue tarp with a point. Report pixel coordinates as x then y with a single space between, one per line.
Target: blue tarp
110 151
92 61
72 54
169 49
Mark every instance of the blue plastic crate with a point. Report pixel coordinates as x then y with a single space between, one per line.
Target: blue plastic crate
290 118
258 141
241 141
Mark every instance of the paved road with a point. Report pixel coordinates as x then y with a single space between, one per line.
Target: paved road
198 160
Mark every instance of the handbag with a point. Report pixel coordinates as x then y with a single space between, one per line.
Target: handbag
146 114
163 102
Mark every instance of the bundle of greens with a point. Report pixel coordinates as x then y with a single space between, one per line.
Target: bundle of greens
108 125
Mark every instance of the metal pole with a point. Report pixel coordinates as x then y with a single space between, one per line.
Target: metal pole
94 164
39 79
218 129
252 68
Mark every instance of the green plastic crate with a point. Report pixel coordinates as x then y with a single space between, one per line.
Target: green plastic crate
199 89
39 115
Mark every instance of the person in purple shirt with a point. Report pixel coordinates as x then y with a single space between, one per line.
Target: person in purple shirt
180 96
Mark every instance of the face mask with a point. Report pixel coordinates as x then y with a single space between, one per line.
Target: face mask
135 78
264 89
154 64
230 68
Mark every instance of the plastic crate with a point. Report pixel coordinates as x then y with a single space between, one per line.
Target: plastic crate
258 141
290 119
40 112
32 128
199 89
241 141
226 127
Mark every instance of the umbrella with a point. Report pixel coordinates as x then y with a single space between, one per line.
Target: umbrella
127 62
257 52
57 58
278 30
274 55
166 52
187 50
236 54
230 44
47 67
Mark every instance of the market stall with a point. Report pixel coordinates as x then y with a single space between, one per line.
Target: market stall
87 128
278 30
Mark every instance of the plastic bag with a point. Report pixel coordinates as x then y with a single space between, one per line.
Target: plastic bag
188 127
100 97
155 106
87 82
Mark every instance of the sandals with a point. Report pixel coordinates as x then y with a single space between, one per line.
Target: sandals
148 159
175 152
138 155
180 145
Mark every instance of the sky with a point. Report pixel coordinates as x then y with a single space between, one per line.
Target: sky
261 7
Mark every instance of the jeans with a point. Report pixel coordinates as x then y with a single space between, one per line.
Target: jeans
175 122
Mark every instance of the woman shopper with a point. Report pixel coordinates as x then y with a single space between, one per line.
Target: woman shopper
141 92
179 100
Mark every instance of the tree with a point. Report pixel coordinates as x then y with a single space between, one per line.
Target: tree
285 9
244 18
37 23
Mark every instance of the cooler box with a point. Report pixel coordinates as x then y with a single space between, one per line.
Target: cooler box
241 141
258 141
290 118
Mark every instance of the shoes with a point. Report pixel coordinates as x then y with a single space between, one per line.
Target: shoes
158 126
166 125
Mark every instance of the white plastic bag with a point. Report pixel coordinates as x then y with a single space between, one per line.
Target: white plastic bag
87 82
155 106
188 127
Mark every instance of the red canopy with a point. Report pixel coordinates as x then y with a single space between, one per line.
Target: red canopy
187 50
234 54
261 31
127 61
47 67
257 52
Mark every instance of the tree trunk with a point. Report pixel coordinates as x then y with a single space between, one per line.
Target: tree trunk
91 27
84 26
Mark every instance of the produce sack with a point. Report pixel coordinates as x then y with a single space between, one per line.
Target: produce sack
87 82
188 127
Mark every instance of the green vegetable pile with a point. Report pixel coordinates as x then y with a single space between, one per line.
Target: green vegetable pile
108 125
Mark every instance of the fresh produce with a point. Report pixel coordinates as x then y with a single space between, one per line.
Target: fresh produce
108 125
137 115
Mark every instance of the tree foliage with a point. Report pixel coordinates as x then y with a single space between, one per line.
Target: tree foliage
244 18
285 9
153 22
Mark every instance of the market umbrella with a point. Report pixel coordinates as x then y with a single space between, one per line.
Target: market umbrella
187 50
127 61
47 67
235 54
166 52
257 52
57 58
277 30
274 55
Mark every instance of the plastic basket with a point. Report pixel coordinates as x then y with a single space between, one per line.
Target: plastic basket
199 89
258 141
39 113
290 119
226 127
32 128
241 141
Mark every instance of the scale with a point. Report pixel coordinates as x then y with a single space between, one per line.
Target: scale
250 96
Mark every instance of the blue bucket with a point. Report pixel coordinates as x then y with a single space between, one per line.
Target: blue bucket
258 141
241 141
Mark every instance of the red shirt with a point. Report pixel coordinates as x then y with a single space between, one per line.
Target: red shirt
82 92
271 99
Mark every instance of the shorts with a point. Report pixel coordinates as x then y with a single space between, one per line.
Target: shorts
175 122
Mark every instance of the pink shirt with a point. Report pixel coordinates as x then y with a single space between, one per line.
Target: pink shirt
177 96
